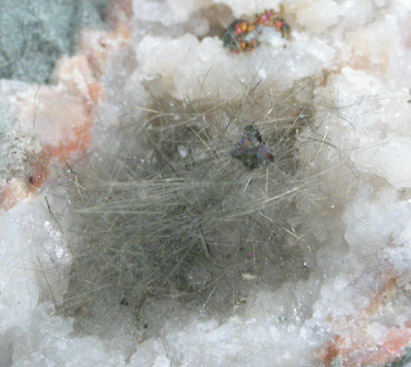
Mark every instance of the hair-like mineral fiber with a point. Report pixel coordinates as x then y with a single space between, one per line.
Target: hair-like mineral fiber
173 216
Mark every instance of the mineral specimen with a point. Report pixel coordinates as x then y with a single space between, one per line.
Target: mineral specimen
242 36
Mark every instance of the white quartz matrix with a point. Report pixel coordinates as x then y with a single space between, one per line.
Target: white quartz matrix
354 309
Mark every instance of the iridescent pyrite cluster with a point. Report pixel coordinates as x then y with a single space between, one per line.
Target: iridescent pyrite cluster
242 36
251 150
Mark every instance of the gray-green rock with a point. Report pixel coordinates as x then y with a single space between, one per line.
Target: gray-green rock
35 33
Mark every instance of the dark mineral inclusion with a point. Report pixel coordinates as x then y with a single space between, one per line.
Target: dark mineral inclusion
251 150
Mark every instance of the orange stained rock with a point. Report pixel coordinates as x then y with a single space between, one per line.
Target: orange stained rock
63 152
354 348
61 119
98 45
330 352
119 11
355 351
61 116
397 339
38 177
387 291
76 76
12 192
96 92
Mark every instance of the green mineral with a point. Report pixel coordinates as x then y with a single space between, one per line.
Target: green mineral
35 33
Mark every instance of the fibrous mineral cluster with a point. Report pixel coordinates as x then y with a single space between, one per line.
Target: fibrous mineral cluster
171 200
